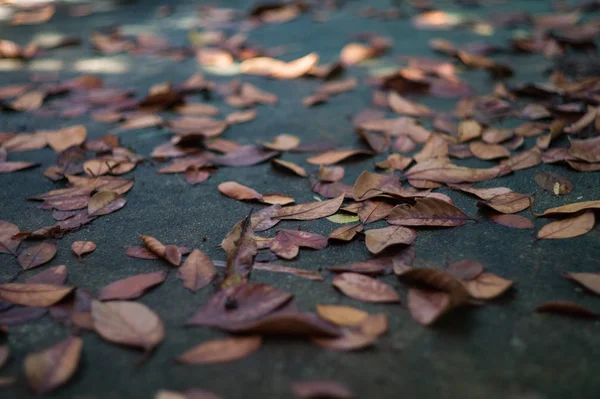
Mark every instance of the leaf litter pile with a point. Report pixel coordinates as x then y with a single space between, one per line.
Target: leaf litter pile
415 155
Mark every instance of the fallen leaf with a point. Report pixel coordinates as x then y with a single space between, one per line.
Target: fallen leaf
488 151
320 389
265 218
508 203
307 274
247 155
296 68
311 210
487 286
554 183
67 137
29 101
55 275
568 228
343 218
238 191
197 271
436 170
288 324
378 240
466 269
195 176
566 308
513 221
4 355
586 150
524 160
9 167
402 106
395 162
439 280
283 142
26 142
348 341
364 288
342 315
36 255
21 315
41 295
8 245
238 117
221 350
189 394
241 249
346 233
196 109
128 323
333 157
49 369
287 242
331 174
591 281
131 287
427 212
100 200
81 248
483 193
170 253
427 306
354 53
571 208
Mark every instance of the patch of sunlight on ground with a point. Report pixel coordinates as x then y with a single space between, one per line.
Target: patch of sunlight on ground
46 65
230 70
10 65
101 65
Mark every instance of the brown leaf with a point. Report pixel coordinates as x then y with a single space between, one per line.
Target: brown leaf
488 151
354 53
365 288
395 162
49 369
427 212
427 306
277 199
346 233
221 350
290 166
402 106
42 295
436 146
483 193
55 275
337 87
514 221
36 255
170 253
196 109
492 135
238 117
331 174
8 245
591 281
247 302
487 286
29 101
466 269
342 315
264 219
374 325
586 150
26 142
128 323
189 394
296 68
197 271
288 324
320 389
348 341
283 142
439 280
524 160
20 315
9 167
568 228
378 240
307 274
4 355
287 242
554 183
241 249
311 210
333 157
571 208
132 287
508 203
67 137
247 155
81 248
195 176
436 170
566 308
239 192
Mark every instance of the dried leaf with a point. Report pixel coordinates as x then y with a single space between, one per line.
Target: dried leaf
346 233
29 101
321 389
283 142
427 306
554 183
466 269
427 212
307 274
49 369
378 240
365 288
170 253
4 355
487 286
488 151
9 167
195 176
128 323
343 218
348 341
514 221
189 394
41 295
132 287
571 208
8 245
238 191
241 249
287 242
221 350
36 255
524 160
67 137
238 117
333 157
247 155
264 219
311 210
435 170
81 248
288 324
331 174
55 275
342 315
402 106
586 150
483 193
354 53
508 203
197 271
566 308
439 280
21 315
568 228
296 68
591 281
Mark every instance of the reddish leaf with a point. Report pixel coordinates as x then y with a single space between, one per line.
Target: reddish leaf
554 183
427 306
221 350
197 271
568 228
240 247
131 287
508 203
20 315
288 324
265 218
332 157
434 170
36 255
127 323
8 245
245 156
195 176
9 167
238 191
311 210
321 389
395 162
566 308
81 248
591 281
49 369
297 169
346 233
586 150
514 221
427 212
439 280
402 106
483 193
170 253
466 269
55 275
378 240
488 151
287 242
487 286
365 288
41 295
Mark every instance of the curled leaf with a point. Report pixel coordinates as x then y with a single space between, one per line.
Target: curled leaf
566 308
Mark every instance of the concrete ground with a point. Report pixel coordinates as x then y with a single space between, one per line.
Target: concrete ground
500 351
